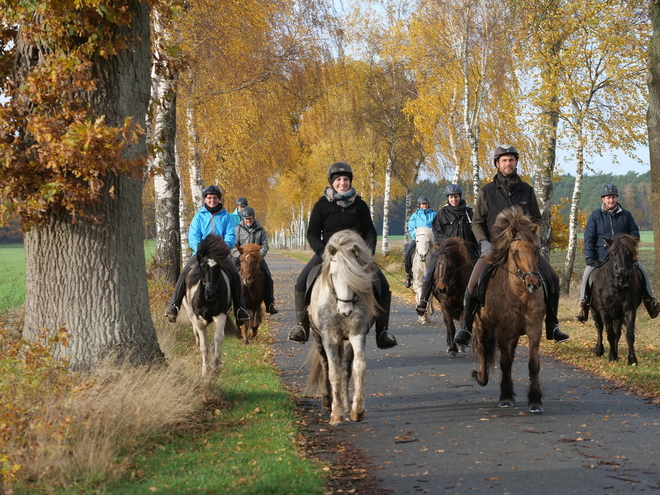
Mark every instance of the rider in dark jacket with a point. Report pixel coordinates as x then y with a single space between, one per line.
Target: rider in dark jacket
604 223
250 231
453 220
506 190
338 209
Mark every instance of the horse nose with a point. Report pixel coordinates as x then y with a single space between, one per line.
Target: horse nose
344 309
533 283
422 257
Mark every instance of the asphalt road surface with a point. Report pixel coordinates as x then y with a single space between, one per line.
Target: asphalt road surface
430 428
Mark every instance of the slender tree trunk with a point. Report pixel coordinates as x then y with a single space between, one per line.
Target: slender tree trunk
91 278
653 124
565 284
386 203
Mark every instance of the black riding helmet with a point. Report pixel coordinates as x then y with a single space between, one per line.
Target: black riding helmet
339 169
609 190
454 189
423 199
504 149
212 190
247 212
241 201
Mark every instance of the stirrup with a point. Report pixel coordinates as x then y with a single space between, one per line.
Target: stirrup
421 307
298 334
463 337
242 315
558 335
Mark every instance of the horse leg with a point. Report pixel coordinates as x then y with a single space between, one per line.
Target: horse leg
218 339
346 370
613 335
630 337
244 333
334 375
326 389
452 348
199 326
599 350
507 352
534 394
358 343
485 347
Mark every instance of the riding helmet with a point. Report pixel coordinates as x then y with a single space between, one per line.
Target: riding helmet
609 190
340 169
504 149
423 199
212 190
247 212
454 189
241 201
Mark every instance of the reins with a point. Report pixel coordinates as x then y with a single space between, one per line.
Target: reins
520 274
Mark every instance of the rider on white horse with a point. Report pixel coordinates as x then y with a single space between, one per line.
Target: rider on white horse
422 217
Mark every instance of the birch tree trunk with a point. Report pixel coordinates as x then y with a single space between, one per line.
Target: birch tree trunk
386 203
565 284
88 277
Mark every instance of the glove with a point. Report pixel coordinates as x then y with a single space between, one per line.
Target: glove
590 262
486 248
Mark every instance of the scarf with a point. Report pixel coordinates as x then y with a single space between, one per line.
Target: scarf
508 183
214 210
342 199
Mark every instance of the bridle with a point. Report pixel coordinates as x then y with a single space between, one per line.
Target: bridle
355 298
518 273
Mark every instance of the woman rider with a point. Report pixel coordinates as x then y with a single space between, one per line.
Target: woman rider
453 220
340 208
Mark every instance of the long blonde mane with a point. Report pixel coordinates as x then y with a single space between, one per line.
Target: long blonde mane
355 266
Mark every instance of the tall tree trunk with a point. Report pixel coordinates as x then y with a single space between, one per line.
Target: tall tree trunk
91 278
653 124
569 262
386 202
166 181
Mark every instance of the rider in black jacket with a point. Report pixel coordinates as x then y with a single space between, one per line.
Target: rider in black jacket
338 209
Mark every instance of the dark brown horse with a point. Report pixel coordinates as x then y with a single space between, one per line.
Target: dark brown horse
451 274
616 295
252 279
514 305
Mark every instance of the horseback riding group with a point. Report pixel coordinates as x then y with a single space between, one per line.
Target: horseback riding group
484 268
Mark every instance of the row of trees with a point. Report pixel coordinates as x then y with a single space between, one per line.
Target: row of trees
260 97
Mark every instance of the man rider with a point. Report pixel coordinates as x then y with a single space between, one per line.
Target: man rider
506 189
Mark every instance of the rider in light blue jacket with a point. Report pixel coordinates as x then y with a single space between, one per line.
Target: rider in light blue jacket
422 217
211 218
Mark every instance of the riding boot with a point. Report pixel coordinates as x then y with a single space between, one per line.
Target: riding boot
652 306
427 288
172 310
470 307
384 339
300 333
408 281
269 298
583 315
240 313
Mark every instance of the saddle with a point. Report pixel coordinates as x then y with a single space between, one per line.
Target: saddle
487 273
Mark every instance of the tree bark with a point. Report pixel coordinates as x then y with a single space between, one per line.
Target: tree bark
91 278
653 124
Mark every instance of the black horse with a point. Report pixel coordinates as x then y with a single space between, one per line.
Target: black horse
616 295
208 299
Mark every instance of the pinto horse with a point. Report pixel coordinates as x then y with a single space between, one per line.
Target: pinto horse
341 310
252 279
451 275
423 248
208 299
514 305
616 295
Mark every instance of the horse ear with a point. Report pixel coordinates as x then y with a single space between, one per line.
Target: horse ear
240 249
332 250
608 241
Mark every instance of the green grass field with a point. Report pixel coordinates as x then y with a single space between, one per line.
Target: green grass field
12 276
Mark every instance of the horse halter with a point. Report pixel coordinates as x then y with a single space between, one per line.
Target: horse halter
355 298
519 273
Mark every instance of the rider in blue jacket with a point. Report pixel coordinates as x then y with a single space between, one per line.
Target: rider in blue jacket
236 214
422 217
604 223
211 218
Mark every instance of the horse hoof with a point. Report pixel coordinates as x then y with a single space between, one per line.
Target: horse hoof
357 416
462 349
335 420
506 403
599 351
536 408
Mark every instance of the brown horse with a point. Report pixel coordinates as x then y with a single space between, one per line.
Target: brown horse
514 305
252 279
617 293
451 274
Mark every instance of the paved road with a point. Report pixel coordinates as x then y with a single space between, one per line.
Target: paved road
430 428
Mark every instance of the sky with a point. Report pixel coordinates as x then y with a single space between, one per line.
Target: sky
606 165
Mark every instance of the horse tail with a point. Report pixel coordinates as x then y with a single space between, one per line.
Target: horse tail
316 378
231 330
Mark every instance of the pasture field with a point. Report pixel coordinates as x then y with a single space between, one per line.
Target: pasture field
12 276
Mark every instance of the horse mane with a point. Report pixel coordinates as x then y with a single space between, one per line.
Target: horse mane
354 261
424 231
454 248
215 247
252 249
510 224
624 241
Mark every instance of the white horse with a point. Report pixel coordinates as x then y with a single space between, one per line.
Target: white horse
341 311
421 259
